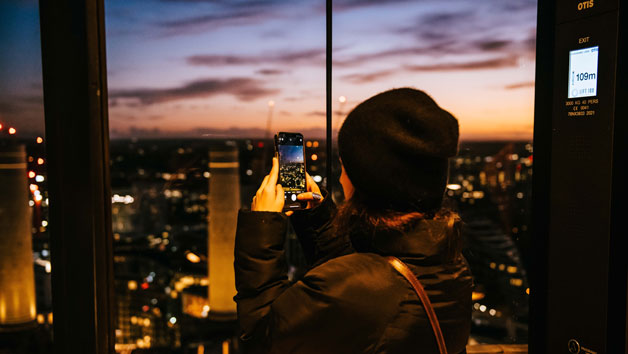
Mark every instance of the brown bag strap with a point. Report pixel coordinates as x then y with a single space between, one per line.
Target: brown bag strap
429 310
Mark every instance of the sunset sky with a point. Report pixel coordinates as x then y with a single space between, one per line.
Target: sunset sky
208 68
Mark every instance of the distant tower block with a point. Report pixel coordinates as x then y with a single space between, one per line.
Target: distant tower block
224 203
17 278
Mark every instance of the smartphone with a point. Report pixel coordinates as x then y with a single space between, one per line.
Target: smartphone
291 154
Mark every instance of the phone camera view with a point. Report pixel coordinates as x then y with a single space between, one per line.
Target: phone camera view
292 167
583 72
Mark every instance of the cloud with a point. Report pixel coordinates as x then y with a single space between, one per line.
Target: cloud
520 85
244 89
366 78
306 56
490 45
215 14
497 63
269 72
207 22
317 114
206 133
405 52
343 5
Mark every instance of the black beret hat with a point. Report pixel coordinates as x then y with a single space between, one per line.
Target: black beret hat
395 148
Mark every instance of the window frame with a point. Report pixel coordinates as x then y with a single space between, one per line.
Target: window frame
77 147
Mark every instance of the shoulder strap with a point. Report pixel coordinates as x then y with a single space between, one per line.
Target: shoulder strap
429 310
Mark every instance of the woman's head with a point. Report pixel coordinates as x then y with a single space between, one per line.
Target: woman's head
395 148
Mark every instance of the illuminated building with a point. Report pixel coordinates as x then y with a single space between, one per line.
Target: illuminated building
17 279
224 203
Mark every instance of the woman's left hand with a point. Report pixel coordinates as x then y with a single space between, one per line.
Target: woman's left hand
270 195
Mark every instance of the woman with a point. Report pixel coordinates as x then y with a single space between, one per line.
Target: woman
394 149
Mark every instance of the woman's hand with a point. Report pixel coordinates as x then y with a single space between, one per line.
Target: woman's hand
270 195
313 195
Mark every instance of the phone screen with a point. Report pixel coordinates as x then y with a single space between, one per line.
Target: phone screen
292 167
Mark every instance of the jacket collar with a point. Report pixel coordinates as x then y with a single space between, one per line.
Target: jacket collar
427 239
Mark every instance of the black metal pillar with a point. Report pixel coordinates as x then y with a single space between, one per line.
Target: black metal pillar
77 142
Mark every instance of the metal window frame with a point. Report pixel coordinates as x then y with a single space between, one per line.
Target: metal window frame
77 147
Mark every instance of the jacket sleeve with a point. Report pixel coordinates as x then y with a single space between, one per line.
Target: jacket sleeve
276 316
315 233
260 271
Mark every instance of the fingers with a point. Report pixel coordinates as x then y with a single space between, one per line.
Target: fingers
311 185
274 172
279 197
310 196
270 195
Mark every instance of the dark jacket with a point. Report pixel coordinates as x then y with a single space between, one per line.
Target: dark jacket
347 302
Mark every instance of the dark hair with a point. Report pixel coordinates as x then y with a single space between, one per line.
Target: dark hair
360 219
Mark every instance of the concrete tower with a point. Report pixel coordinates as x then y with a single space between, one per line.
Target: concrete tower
224 203
17 279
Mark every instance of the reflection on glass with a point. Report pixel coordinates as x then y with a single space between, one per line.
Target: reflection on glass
25 290
476 59
197 91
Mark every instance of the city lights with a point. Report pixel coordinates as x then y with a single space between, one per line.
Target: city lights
192 257
475 296
454 187
125 199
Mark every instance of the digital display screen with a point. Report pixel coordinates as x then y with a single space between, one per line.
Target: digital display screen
583 72
291 168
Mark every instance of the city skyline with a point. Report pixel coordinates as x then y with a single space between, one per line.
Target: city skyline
204 69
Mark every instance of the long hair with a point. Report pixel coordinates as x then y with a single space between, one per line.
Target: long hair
360 219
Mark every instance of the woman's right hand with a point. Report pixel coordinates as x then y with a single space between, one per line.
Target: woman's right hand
313 195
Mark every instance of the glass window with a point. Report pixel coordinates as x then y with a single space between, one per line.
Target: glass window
197 91
25 290
476 59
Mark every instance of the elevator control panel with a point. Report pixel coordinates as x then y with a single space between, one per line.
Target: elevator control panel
585 67
583 124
